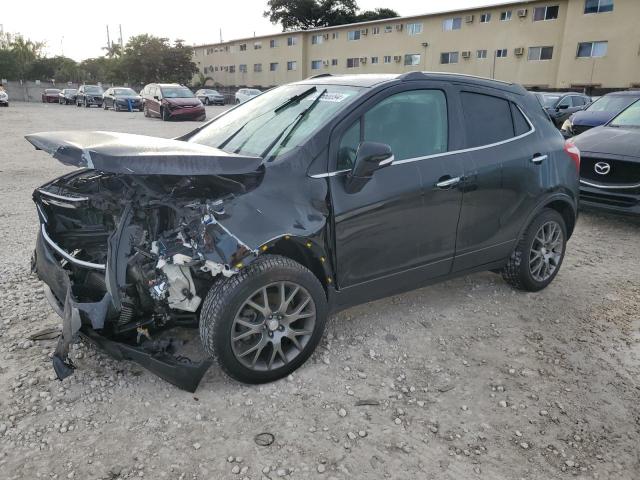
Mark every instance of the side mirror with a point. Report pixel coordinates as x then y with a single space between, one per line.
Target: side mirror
562 107
370 157
156 97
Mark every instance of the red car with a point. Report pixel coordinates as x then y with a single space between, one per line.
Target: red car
171 101
51 95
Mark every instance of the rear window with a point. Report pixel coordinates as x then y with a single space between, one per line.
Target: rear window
490 119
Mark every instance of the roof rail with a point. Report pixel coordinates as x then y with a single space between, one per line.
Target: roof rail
320 75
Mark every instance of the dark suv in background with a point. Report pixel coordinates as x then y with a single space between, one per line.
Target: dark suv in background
88 95
561 106
171 101
312 197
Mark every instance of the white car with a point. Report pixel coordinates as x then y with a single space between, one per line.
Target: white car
245 94
4 98
210 97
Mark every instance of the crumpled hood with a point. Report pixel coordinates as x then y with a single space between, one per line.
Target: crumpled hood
591 119
139 154
611 141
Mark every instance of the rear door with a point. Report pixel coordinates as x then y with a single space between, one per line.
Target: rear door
394 233
501 176
153 102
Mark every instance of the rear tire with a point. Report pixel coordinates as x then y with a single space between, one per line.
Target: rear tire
226 309
206 100
538 256
145 111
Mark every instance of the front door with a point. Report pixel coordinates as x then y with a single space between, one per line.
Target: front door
400 229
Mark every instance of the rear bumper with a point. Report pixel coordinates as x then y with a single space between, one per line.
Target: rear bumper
619 200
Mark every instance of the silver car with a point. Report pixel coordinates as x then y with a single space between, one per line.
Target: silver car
210 97
4 98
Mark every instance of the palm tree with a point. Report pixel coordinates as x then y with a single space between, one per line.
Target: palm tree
25 52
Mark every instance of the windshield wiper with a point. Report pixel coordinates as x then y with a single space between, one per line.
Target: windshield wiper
293 125
294 99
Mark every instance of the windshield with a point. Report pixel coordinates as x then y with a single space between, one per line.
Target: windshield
611 103
52 90
629 117
176 92
548 100
124 91
70 90
252 127
92 89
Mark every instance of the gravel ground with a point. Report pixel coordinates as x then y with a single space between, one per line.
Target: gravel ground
466 379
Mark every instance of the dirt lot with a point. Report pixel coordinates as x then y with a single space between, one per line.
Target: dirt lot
467 379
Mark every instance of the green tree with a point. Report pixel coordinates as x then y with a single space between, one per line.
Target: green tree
25 53
377 14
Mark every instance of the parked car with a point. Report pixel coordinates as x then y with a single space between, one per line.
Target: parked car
88 95
4 98
314 197
171 101
610 168
560 106
599 112
67 96
210 97
50 95
121 98
245 94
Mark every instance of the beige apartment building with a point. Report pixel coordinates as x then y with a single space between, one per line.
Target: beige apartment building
554 44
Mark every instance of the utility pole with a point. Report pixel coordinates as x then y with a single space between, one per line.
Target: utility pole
108 39
121 41
220 35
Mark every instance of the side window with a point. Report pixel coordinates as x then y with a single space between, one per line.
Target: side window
578 101
487 119
565 102
520 124
414 124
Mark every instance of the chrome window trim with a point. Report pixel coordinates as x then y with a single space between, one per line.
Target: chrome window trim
68 257
610 187
452 152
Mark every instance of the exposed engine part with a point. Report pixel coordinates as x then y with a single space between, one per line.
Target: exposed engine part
126 313
181 292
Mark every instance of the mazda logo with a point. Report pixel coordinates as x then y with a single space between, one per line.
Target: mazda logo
602 168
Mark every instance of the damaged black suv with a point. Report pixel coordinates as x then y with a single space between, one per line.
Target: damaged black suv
310 198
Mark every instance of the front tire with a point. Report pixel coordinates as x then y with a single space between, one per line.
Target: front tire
537 258
165 115
265 321
206 100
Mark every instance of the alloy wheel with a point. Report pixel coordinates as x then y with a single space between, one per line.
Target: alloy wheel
273 326
546 251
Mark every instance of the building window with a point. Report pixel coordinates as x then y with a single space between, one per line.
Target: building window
334 62
273 66
592 49
257 45
375 31
387 59
293 65
481 54
353 62
540 53
598 6
335 35
232 69
545 13
353 35
374 59
452 24
501 53
485 18
388 28
412 59
449 57
243 68
243 47
291 41
317 39
316 64
505 16
257 67
273 43
414 28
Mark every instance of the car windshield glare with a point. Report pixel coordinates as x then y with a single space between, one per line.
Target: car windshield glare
252 127
549 100
629 117
613 103
124 91
177 92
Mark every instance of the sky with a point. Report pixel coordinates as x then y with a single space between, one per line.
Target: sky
67 30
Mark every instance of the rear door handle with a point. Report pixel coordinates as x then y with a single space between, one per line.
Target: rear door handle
538 159
450 182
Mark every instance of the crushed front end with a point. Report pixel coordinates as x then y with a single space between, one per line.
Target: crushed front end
125 256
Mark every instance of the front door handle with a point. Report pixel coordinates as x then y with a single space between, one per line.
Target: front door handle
538 159
449 182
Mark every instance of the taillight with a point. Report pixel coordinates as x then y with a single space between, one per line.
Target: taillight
573 152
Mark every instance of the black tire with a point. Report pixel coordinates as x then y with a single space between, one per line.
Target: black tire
226 297
104 106
517 271
164 114
237 102
206 100
86 105
145 111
